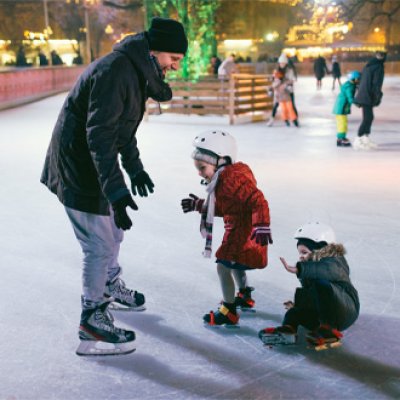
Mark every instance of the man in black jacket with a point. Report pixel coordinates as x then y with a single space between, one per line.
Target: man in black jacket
369 95
96 125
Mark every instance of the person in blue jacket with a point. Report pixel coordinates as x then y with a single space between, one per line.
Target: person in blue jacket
342 107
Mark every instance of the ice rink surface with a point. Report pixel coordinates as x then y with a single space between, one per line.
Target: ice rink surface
303 175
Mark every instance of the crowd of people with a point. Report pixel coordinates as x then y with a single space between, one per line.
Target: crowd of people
363 89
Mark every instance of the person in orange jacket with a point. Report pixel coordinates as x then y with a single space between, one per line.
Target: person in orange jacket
232 194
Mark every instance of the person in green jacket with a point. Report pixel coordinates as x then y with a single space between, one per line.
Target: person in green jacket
342 107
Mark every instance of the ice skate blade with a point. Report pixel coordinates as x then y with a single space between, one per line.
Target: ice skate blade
325 346
98 348
224 326
247 310
114 306
277 341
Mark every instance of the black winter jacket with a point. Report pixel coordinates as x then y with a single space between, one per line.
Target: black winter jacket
320 68
329 264
97 123
370 89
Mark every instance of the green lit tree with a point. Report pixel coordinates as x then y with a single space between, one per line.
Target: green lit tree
198 18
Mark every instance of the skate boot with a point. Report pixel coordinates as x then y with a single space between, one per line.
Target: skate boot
131 300
343 143
296 123
323 337
287 122
226 315
243 299
363 143
284 334
270 121
369 142
99 336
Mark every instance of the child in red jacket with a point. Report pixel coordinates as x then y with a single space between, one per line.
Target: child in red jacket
232 194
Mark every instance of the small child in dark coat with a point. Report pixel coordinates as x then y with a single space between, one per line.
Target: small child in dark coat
327 303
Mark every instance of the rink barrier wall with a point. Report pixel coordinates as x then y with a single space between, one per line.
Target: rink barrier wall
242 98
25 85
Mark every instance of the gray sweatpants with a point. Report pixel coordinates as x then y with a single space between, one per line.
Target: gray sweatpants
100 241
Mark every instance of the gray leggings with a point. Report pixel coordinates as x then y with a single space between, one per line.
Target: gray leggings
228 277
100 240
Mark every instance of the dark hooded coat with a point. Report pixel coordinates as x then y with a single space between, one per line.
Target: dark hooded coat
98 123
329 264
320 67
370 88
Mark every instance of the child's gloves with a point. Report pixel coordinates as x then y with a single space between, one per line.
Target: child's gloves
193 203
121 217
262 235
141 183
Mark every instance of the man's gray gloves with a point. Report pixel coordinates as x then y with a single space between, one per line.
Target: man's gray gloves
141 183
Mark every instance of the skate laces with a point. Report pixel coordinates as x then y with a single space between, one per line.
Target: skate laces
119 289
102 318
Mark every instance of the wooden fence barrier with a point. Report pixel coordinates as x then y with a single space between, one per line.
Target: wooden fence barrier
243 95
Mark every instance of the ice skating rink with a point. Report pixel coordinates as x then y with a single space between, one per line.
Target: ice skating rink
303 175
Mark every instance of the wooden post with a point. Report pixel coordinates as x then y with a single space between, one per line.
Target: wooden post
231 99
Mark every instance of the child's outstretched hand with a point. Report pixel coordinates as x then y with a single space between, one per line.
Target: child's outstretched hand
192 203
288 267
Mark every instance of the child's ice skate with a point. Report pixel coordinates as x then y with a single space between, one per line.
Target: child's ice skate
343 142
324 338
243 299
226 316
280 335
99 336
124 299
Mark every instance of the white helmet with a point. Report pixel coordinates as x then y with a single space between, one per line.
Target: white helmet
317 232
221 143
283 58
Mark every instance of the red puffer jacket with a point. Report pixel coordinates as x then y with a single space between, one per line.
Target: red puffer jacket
242 206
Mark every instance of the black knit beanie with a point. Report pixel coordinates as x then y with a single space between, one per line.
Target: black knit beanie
167 35
310 244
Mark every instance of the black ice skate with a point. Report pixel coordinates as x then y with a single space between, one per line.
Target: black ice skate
243 299
324 337
124 299
99 336
343 143
225 316
280 335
